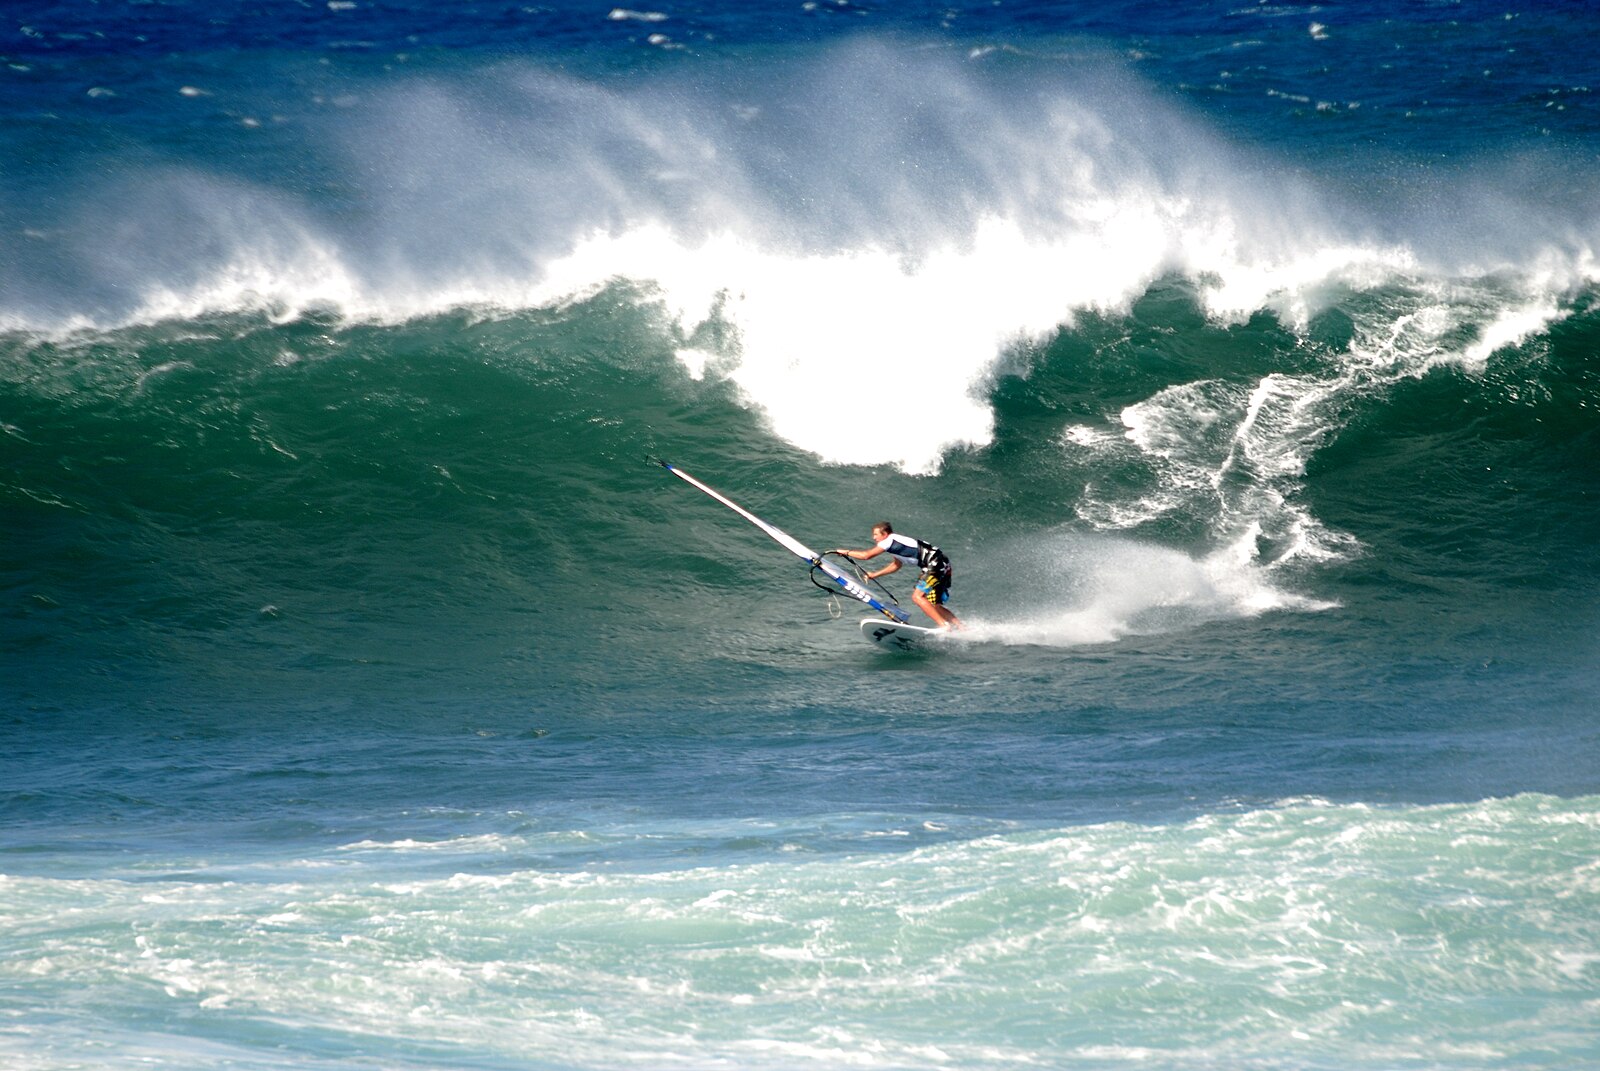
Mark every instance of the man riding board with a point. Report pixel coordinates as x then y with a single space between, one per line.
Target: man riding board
933 565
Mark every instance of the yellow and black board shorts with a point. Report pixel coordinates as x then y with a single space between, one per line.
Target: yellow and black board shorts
934 585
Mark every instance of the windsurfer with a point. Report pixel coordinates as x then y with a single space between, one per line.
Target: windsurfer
933 582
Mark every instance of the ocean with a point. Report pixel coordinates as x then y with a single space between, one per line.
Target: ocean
369 699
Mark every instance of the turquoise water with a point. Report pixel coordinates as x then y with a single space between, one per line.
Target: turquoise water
370 700
1307 934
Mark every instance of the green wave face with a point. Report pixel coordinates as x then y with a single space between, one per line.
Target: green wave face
235 503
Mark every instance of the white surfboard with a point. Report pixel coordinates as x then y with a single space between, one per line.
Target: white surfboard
897 637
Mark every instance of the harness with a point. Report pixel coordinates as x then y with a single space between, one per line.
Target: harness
929 558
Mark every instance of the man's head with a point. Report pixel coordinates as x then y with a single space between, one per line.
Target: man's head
880 530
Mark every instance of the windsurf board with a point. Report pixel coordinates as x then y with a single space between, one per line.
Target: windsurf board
899 637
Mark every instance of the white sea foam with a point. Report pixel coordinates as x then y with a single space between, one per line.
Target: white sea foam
828 327
1509 328
487 842
1232 939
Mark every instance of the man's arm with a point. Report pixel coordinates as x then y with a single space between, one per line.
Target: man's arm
863 555
894 563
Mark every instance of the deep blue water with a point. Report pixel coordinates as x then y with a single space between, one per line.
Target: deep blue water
369 700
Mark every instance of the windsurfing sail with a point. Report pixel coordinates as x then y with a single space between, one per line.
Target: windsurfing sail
843 580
